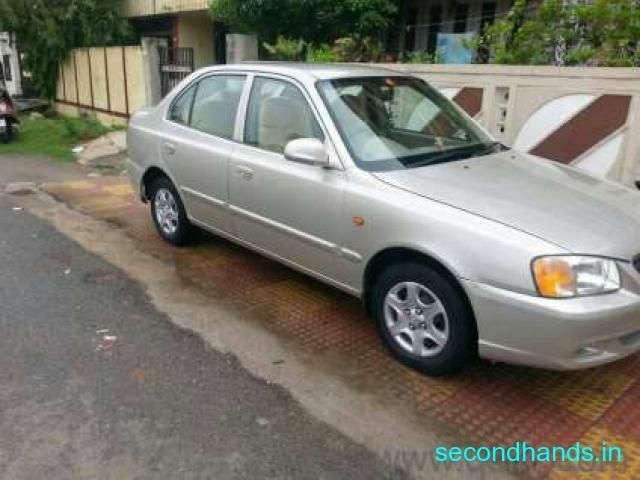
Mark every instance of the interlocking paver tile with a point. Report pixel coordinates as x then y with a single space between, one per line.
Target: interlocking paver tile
493 410
587 393
628 469
623 416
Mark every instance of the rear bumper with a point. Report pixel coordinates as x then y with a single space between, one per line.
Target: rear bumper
557 334
135 173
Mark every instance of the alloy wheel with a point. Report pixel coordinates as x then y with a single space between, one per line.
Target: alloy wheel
166 210
416 319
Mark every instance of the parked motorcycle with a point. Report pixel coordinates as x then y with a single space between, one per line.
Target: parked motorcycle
8 117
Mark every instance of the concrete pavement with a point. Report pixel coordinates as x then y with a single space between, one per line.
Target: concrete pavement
97 384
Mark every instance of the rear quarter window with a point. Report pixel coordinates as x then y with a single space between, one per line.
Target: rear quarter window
181 108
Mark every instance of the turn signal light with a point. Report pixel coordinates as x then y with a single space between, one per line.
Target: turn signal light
554 277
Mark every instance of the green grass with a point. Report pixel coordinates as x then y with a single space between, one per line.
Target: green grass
53 136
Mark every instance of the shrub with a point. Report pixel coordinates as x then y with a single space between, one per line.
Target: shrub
286 49
357 48
600 33
322 54
422 56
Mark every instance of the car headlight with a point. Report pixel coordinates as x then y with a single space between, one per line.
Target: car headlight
575 276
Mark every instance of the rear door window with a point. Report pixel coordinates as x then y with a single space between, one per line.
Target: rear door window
216 104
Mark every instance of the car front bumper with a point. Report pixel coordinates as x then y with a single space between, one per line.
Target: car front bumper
561 334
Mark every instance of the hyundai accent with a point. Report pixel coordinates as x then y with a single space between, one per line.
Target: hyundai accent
372 181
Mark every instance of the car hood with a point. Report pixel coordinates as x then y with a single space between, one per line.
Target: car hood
560 204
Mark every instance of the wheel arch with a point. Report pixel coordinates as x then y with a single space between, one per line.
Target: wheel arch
382 259
148 177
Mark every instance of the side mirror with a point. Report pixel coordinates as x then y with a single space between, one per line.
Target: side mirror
307 150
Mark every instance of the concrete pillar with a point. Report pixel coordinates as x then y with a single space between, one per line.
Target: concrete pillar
241 48
151 67
630 167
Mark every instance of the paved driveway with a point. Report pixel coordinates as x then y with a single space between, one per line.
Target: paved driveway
489 404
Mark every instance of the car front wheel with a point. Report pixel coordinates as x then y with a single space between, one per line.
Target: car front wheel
168 213
423 319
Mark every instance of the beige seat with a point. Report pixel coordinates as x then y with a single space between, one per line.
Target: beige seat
281 120
215 116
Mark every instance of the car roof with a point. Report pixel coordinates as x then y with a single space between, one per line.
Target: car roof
317 71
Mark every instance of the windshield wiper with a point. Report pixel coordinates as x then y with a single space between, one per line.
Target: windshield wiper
492 147
460 153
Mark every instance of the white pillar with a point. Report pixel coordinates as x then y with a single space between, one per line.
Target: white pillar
151 66
241 48
8 49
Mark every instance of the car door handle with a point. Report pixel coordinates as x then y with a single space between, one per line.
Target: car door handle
169 147
245 172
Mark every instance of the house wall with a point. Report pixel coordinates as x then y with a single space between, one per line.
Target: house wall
140 8
195 30
184 23
425 22
585 117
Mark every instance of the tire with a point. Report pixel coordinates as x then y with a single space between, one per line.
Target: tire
423 319
168 213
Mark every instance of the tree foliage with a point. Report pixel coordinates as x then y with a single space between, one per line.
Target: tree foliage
315 21
600 33
47 30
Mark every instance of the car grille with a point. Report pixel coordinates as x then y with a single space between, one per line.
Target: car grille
636 263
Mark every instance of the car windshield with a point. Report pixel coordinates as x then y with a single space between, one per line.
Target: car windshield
391 123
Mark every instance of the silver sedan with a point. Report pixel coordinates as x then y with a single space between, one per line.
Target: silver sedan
373 182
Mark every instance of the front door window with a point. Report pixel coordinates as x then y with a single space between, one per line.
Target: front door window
278 113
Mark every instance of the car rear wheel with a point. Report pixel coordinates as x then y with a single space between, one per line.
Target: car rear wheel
168 213
423 319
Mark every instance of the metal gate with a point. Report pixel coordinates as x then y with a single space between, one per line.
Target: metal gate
175 65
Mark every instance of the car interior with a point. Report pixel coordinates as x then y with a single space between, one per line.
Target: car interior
277 114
